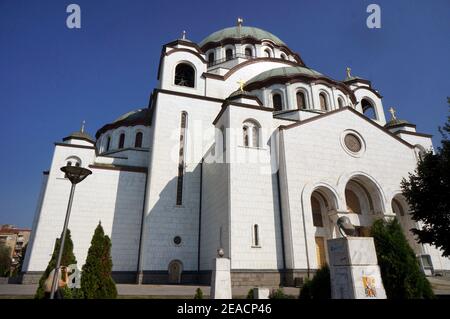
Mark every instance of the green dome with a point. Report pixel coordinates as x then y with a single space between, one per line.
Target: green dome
132 118
241 32
284 71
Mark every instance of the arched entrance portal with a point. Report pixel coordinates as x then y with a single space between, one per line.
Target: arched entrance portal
323 202
401 211
364 203
175 270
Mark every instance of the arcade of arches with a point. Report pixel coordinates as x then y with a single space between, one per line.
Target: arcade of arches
364 205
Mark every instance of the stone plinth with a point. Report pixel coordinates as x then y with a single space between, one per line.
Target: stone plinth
221 279
354 269
261 293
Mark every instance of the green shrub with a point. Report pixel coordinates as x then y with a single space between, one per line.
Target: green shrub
400 271
96 280
198 294
278 294
319 287
250 294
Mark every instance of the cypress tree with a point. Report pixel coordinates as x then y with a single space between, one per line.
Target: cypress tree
68 258
96 280
400 271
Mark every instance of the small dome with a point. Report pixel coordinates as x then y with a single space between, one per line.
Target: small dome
240 94
132 118
395 122
284 71
79 136
241 32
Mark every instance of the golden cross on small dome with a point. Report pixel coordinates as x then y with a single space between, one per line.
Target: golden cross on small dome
348 72
392 111
241 85
82 126
239 22
183 35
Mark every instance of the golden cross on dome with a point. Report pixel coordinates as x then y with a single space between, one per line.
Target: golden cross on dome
241 85
183 35
348 72
82 126
392 111
239 22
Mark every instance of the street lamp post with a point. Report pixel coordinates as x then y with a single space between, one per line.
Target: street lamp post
75 174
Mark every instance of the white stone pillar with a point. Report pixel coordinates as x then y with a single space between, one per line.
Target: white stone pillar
221 279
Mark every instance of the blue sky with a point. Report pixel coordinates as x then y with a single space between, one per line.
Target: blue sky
52 78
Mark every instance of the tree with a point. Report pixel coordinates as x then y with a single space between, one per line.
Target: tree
68 258
427 192
400 271
198 294
96 280
5 261
319 287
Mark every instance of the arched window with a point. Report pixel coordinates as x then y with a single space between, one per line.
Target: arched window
255 235
420 152
250 134
211 58
277 102
121 140
267 53
184 75
368 109
283 56
138 140
248 52
316 212
340 102
108 143
229 54
397 208
323 102
301 100
353 205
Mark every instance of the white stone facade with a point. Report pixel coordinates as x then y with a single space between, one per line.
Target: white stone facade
169 201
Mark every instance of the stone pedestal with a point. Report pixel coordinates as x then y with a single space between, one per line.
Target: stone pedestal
354 269
261 293
221 279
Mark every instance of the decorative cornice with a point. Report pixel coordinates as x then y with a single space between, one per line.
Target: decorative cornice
76 146
368 89
413 133
137 169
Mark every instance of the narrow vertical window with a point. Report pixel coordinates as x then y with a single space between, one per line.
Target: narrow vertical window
229 54
340 103
245 133
138 140
255 235
323 102
121 140
248 52
255 136
211 59
181 153
277 102
108 143
301 101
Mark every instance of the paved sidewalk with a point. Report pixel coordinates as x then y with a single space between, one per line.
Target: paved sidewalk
140 290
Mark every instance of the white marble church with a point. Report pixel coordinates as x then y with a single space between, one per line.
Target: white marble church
242 147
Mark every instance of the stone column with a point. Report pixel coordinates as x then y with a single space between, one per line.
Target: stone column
221 279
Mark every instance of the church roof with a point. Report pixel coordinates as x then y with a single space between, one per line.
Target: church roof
239 32
80 136
284 71
135 117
